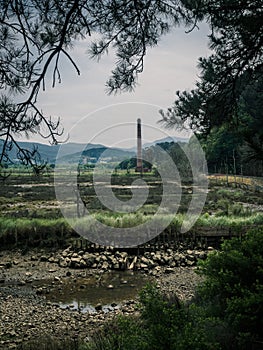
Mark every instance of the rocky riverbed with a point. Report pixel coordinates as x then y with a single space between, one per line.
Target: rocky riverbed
27 312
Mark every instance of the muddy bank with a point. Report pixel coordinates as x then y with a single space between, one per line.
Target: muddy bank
27 311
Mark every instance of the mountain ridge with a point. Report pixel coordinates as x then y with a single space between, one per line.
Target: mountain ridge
69 150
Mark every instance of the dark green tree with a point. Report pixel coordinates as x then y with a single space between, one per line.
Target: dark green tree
231 74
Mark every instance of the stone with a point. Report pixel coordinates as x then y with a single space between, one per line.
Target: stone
21 283
133 263
169 270
39 291
105 266
201 255
75 262
8 265
43 258
83 264
34 258
144 260
143 266
63 263
157 258
189 262
52 270
98 307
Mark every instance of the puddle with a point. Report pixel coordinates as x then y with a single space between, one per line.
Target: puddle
89 294
106 292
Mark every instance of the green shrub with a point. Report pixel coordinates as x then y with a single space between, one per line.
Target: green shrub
233 289
122 333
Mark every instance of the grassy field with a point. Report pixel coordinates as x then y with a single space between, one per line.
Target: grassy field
31 214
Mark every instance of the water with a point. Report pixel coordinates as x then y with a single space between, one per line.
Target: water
86 294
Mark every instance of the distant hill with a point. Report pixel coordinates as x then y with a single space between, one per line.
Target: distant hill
72 152
166 139
49 152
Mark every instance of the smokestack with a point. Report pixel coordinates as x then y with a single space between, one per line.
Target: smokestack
139 166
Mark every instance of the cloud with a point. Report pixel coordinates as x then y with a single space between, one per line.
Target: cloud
170 66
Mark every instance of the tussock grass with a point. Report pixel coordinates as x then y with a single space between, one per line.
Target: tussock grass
43 231
15 231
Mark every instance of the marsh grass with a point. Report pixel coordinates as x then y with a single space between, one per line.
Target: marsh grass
33 231
45 231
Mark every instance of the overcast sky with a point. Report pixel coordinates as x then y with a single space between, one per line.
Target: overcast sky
88 114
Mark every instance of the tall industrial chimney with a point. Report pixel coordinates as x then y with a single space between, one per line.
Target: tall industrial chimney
139 166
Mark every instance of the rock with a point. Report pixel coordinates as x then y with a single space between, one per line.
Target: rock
105 266
63 263
12 333
169 270
132 265
110 286
52 271
201 255
157 268
43 258
98 307
157 258
57 279
66 252
167 259
34 258
8 265
21 283
144 260
190 257
68 273
143 266
75 262
39 291
123 264
83 264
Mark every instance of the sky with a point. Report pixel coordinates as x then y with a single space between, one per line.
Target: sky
88 114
